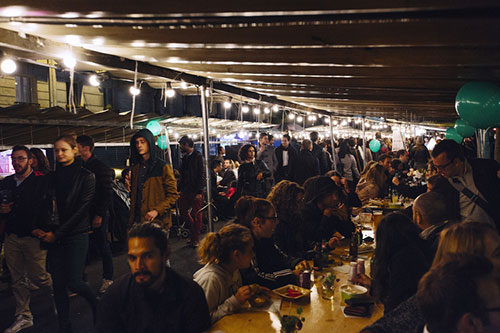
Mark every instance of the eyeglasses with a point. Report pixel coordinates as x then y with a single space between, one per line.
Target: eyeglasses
18 159
444 166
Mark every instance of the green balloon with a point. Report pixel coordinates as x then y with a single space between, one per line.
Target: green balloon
162 142
374 145
154 126
464 129
452 134
478 103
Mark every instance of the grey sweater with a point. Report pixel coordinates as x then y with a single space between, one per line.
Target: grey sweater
219 287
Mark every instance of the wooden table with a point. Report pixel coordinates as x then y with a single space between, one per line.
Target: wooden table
321 315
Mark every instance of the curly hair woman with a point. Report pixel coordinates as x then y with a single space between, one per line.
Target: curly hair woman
286 197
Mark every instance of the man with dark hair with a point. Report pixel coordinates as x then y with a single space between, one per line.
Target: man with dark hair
21 207
475 182
153 297
99 209
191 188
402 155
153 189
266 153
286 156
227 173
219 197
461 295
320 154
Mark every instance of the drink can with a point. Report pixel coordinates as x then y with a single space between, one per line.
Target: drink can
353 271
361 266
305 279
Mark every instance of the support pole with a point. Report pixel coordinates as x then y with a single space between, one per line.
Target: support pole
364 140
204 113
334 156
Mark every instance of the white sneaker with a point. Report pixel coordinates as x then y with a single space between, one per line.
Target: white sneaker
105 285
21 323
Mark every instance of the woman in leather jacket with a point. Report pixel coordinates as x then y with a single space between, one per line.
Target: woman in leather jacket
252 174
72 189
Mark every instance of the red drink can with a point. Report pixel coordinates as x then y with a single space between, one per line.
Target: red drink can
305 279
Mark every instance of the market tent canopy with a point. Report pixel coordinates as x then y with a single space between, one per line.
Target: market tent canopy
398 60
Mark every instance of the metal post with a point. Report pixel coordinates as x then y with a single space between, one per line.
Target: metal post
169 152
364 140
204 114
334 156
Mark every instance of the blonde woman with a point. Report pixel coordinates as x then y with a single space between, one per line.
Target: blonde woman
372 186
224 253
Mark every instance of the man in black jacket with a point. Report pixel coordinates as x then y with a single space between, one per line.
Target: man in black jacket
21 207
287 159
476 182
99 210
191 188
320 154
153 298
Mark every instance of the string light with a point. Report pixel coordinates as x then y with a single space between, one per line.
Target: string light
245 108
184 85
275 108
256 110
267 110
227 104
291 116
169 91
94 81
8 66
69 61
335 122
134 91
299 119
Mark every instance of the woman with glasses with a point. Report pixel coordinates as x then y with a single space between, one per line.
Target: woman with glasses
72 190
271 268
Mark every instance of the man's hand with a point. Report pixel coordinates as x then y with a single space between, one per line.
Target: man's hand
38 233
96 222
6 208
49 237
151 215
395 181
259 176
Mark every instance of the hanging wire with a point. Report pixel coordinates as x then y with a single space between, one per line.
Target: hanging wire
133 98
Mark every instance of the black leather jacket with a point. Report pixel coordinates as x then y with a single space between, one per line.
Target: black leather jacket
74 218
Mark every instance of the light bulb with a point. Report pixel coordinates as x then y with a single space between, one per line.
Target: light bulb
69 61
134 91
299 119
195 136
176 135
184 85
291 116
256 110
227 104
94 81
266 110
207 93
9 66
275 108
245 108
313 118
169 91
335 122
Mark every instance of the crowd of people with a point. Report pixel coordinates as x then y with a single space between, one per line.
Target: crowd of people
434 263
